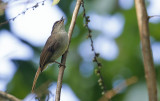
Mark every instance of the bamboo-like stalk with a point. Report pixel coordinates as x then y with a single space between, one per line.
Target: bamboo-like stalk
150 75
63 61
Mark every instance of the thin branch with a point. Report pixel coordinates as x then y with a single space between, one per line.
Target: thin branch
146 49
153 16
96 55
63 60
121 86
23 12
7 97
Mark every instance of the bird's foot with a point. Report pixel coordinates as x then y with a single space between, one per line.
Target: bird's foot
60 64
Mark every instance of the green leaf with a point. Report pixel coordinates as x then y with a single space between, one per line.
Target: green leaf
55 2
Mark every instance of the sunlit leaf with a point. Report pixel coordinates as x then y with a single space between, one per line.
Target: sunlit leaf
55 2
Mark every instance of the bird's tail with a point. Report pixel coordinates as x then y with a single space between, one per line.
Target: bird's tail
35 78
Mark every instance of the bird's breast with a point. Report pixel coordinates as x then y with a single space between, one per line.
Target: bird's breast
63 44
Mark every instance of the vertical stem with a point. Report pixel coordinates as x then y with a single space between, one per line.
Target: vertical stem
59 83
63 61
146 49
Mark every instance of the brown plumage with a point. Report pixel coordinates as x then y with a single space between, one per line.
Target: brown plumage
35 78
55 46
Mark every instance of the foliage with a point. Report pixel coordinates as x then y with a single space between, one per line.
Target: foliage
127 64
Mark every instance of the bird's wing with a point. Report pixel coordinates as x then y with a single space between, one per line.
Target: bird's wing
48 51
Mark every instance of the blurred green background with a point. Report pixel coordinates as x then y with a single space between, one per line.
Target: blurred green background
125 60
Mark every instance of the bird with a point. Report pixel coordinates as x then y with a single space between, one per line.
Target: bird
55 46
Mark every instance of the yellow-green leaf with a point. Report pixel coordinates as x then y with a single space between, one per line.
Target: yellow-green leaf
55 2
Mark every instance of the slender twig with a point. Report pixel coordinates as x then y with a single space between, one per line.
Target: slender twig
23 12
63 61
146 49
121 86
153 16
96 55
7 97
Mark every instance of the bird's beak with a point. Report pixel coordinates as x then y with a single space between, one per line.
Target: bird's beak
62 19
